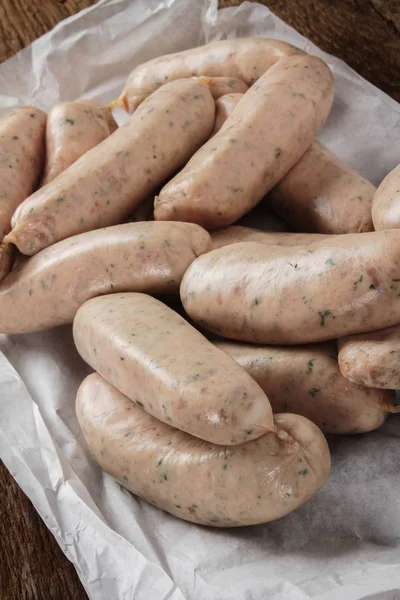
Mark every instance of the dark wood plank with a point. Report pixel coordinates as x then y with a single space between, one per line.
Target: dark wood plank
364 33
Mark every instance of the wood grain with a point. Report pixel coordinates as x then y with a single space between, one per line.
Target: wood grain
364 33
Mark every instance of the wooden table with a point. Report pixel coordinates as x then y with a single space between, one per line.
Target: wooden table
364 33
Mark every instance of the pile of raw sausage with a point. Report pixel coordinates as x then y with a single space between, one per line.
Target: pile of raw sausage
222 354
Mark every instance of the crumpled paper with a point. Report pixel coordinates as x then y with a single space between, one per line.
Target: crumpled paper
342 545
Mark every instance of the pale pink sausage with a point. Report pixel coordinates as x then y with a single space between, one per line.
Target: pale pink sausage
222 86
386 203
220 486
372 359
245 59
151 354
22 149
107 183
258 293
267 133
72 129
47 289
236 234
224 107
306 380
323 195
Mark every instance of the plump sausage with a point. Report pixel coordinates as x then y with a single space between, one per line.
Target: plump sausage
294 295
224 107
22 149
321 194
154 356
306 380
236 234
372 359
47 289
386 202
245 59
267 133
221 486
72 129
107 183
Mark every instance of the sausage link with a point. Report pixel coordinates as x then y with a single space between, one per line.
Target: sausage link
47 289
372 359
222 86
22 149
306 380
267 133
220 486
323 195
107 183
154 356
245 59
386 202
236 234
294 295
72 129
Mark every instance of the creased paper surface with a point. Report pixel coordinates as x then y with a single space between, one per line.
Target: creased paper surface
342 545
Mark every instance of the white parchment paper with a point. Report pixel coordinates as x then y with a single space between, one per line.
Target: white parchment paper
342 545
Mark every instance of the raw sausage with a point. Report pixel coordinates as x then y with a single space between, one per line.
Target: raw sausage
22 149
72 129
47 289
306 380
323 195
386 202
224 107
294 295
267 133
7 256
236 233
154 356
372 359
107 183
245 59
221 486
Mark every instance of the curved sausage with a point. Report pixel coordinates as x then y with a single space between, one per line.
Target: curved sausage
245 59
323 195
386 202
22 149
72 129
47 289
154 356
267 133
107 183
372 359
294 295
224 107
221 486
236 233
306 380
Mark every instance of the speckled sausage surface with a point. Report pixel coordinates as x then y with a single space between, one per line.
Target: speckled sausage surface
151 354
47 289
245 59
372 359
222 86
236 233
267 133
294 295
107 183
72 129
386 202
224 107
22 150
220 486
323 195
306 380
